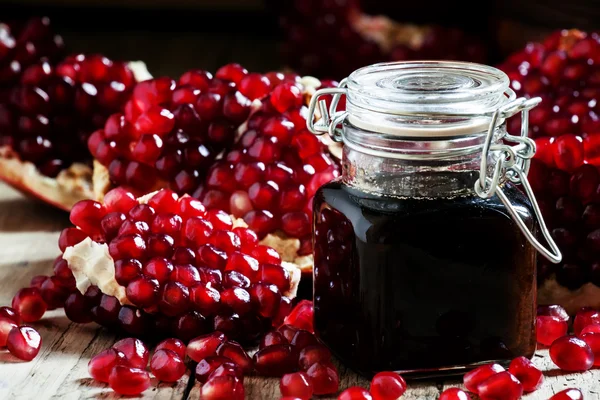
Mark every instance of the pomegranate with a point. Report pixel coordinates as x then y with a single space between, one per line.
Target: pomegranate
24 342
334 38
179 256
297 384
570 353
563 71
48 107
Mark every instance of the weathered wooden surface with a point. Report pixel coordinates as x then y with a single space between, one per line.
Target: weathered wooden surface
28 237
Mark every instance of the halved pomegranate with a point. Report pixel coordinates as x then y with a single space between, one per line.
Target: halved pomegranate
164 265
564 70
48 107
333 38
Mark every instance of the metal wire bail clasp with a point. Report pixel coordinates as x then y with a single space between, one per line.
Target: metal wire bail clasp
513 163
330 119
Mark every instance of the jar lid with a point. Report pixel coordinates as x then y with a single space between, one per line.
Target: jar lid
450 98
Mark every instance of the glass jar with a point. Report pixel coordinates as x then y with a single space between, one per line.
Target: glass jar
425 248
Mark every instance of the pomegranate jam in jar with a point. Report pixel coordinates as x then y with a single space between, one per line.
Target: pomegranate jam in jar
425 248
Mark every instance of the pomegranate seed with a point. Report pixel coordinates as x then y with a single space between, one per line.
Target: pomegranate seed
285 307
126 271
243 264
568 394
585 316
255 86
236 353
167 366
355 393
174 299
502 385
571 354
102 364
205 299
593 340
314 354
301 316
297 384
549 328
24 342
324 378
30 305
208 365
10 313
272 338
275 360
288 331
158 268
386 385
303 339
6 325
267 297
135 351
70 237
473 378
142 291
454 394
237 299
594 328
223 388
232 72
128 380
175 345
86 215
227 369
527 373
119 200
205 346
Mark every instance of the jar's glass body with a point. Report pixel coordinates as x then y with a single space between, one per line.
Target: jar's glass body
416 273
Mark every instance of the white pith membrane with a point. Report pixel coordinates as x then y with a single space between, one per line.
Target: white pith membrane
70 186
92 265
286 246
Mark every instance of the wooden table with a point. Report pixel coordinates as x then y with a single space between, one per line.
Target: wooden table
28 245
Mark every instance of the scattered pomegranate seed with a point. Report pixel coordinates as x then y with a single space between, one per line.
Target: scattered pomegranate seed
593 340
102 364
594 328
473 378
313 354
205 346
272 338
568 394
301 316
223 388
297 384
228 369
29 304
553 310
167 366
303 339
324 378
24 342
570 353
236 353
549 328
175 345
10 313
275 360
355 393
387 386
128 380
208 365
527 373
585 316
135 351
6 325
502 385
288 331
454 394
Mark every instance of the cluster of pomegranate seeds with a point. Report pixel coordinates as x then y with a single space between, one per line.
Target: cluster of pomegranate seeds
271 175
564 71
186 270
47 114
333 38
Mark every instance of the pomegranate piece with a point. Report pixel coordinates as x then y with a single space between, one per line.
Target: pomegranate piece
297 384
454 394
127 380
272 338
568 394
205 346
236 353
207 365
6 325
102 364
473 378
355 393
570 353
593 340
30 305
586 316
10 313
387 386
175 345
223 388
313 354
301 316
502 385
527 373
167 366
549 328
24 342
275 360
324 378
135 351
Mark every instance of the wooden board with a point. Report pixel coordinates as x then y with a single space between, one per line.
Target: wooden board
28 237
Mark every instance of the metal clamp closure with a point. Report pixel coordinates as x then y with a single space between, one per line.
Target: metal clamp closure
513 164
330 119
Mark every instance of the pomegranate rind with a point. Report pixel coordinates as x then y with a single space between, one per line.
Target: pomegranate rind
551 292
70 186
388 33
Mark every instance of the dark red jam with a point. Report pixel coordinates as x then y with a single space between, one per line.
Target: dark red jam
423 285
